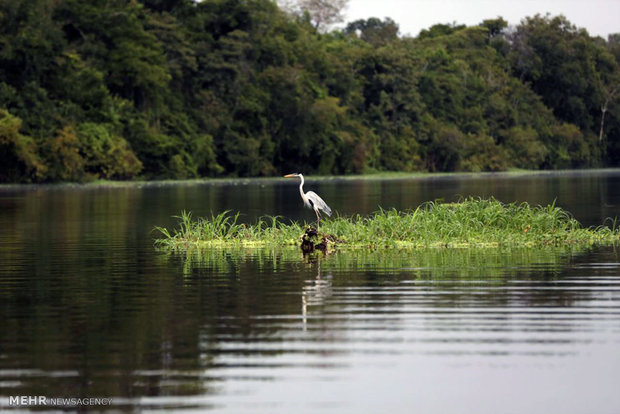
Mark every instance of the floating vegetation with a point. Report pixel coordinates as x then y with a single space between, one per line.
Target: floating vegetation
473 222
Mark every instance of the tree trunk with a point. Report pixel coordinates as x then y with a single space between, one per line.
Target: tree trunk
604 111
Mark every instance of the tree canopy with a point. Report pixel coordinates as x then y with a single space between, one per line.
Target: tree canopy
182 89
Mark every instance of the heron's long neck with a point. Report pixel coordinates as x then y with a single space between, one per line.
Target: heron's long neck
301 189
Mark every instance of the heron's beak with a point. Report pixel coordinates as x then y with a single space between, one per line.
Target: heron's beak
289 175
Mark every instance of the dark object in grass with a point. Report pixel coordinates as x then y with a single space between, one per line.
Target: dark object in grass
312 240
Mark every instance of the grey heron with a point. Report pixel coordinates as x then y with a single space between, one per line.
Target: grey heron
312 199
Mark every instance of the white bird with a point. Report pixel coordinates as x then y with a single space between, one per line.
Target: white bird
312 199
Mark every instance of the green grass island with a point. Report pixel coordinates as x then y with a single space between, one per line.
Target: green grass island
472 222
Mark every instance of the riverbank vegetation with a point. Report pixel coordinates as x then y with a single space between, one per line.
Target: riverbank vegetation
181 89
469 223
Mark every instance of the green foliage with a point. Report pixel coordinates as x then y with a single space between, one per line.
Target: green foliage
481 153
184 89
472 222
374 31
571 148
65 158
445 148
572 72
105 154
495 26
18 153
524 147
438 30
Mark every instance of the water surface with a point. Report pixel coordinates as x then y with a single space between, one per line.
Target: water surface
90 309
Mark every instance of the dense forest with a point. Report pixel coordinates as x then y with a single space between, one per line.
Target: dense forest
123 89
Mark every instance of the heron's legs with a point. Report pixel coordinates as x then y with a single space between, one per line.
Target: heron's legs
318 217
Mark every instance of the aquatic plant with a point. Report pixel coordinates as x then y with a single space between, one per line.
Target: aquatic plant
472 222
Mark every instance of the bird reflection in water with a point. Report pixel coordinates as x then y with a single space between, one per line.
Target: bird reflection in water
315 292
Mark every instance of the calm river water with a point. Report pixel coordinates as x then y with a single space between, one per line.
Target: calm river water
89 309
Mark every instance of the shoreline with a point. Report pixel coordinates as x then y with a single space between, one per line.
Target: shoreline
390 175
